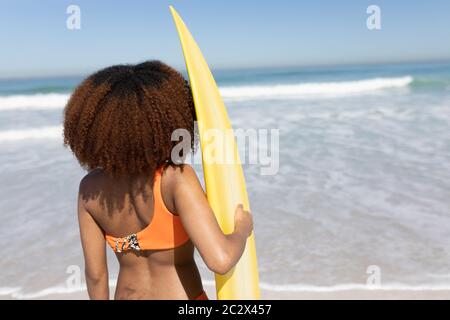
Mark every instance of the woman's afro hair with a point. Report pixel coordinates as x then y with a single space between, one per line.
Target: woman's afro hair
121 118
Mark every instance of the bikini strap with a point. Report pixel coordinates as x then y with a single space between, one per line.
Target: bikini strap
157 193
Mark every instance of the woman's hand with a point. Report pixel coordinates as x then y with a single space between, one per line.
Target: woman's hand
243 221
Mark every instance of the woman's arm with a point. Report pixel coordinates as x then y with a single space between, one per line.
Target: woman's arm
219 251
94 249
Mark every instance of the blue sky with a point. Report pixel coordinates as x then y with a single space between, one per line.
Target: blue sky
231 34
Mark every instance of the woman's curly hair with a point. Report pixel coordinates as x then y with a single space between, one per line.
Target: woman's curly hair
121 118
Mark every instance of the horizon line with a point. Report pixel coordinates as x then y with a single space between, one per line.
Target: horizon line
236 68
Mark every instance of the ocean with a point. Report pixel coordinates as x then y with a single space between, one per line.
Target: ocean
363 179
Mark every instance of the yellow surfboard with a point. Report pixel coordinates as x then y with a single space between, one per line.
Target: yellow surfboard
224 180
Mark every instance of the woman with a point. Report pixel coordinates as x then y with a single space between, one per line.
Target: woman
151 212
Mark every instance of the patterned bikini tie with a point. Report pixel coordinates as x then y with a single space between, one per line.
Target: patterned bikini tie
127 243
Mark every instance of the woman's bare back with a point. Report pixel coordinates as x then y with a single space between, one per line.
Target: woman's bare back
123 206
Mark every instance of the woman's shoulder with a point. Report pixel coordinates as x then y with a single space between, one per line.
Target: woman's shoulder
91 179
179 173
179 178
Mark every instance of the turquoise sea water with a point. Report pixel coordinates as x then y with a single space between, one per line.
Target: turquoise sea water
363 179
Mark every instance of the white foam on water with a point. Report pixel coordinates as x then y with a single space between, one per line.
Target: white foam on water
39 101
18 293
50 132
350 286
6 291
313 90
51 101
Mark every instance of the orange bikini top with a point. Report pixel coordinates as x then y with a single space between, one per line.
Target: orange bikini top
165 231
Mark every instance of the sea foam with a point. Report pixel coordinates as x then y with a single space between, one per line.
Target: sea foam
38 101
50 132
247 92
313 90
18 293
